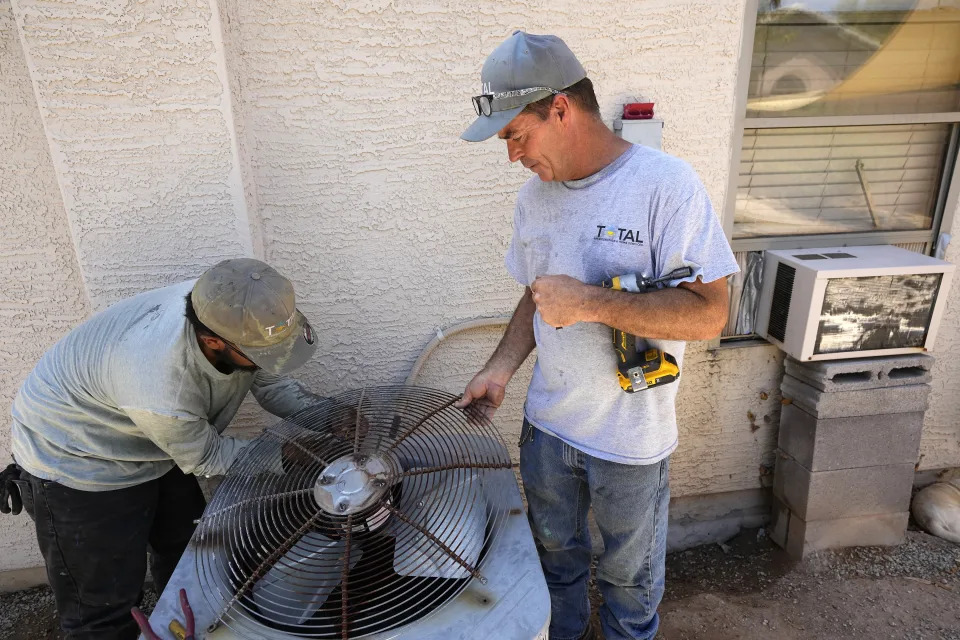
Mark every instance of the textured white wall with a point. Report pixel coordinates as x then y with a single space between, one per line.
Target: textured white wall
137 114
41 293
940 444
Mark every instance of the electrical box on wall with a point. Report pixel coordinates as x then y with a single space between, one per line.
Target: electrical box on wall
637 125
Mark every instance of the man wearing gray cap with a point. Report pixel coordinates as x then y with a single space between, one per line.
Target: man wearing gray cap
116 420
598 207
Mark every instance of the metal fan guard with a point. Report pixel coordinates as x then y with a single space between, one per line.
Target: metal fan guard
267 506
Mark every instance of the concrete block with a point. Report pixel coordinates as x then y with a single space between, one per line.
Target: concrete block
824 495
857 441
695 534
863 373
716 517
17 579
804 538
865 402
779 522
704 519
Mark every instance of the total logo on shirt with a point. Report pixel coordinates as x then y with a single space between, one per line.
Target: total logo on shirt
617 234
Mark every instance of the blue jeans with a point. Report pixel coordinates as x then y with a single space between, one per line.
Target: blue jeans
630 505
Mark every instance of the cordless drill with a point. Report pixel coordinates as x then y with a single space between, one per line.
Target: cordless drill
651 367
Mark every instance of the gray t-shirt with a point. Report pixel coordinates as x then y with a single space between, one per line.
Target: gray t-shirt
128 394
646 212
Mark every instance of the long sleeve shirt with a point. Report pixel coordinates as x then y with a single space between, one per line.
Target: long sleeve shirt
128 394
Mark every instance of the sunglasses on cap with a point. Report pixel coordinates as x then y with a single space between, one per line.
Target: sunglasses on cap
483 104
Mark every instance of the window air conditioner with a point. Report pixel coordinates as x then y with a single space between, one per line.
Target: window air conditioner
851 302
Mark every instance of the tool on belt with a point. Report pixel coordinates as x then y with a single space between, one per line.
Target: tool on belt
649 367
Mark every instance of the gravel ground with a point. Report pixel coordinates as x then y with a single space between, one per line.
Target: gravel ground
31 615
748 589
745 589
751 563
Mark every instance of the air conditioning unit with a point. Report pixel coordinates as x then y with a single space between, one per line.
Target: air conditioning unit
380 513
851 302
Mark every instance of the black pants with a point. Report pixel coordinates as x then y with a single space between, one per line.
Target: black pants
95 546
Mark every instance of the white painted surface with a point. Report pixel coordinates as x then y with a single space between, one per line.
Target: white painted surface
139 127
940 442
324 137
646 132
41 293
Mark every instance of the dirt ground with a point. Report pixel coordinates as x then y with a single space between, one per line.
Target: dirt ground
748 590
745 589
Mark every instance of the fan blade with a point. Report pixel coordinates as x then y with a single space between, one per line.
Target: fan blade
450 505
438 447
301 581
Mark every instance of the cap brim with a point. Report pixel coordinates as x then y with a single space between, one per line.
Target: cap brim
286 356
486 126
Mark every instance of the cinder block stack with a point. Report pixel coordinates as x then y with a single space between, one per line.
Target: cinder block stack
849 440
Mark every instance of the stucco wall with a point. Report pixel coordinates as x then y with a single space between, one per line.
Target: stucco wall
324 137
138 121
41 293
940 444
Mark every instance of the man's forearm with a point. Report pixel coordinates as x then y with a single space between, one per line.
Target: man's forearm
677 313
281 395
193 444
517 341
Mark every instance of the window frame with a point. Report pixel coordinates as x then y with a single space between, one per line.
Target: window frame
945 208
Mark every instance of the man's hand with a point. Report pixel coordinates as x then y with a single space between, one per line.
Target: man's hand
10 499
339 426
344 422
561 300
483 394
302 452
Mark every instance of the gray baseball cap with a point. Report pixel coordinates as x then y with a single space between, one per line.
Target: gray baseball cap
522 62
248 303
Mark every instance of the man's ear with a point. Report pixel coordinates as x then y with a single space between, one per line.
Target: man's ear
561 105
212 342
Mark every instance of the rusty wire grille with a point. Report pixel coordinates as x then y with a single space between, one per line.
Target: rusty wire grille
269 556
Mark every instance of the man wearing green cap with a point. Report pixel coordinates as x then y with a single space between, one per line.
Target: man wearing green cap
114 423
598 207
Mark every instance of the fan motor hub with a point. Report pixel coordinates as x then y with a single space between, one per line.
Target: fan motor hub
352 483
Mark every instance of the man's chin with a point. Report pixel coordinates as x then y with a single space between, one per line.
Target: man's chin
544 176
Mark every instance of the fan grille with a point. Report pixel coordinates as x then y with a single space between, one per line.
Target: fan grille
434 484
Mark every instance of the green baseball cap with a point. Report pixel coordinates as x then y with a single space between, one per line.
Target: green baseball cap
248 303
523 69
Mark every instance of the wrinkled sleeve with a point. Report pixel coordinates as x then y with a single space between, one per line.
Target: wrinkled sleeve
690 234
192 443
281 395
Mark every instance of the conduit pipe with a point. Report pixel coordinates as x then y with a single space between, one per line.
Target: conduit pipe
443 334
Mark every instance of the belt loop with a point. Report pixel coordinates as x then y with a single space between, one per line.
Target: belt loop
526 433
573 457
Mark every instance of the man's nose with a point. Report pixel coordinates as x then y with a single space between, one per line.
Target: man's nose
513 151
